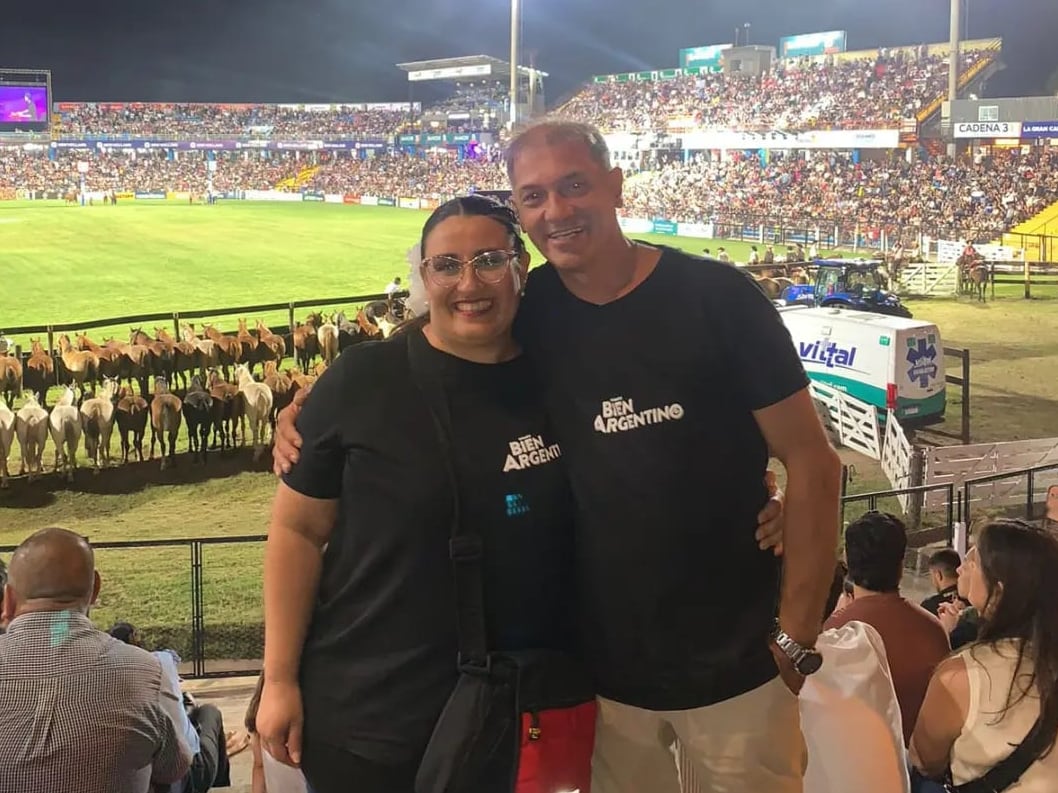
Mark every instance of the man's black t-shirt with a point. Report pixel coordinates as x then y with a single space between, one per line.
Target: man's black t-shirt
652 397
380 657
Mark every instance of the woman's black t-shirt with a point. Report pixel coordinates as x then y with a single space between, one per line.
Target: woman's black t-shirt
380 657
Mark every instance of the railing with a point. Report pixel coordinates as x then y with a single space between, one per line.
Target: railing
202 597
1040 478
176 317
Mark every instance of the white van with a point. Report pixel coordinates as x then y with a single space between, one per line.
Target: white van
889 362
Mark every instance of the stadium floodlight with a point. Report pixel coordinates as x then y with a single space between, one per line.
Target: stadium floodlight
516 25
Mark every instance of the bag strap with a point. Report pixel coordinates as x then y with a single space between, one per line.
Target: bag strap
465 548
1009 770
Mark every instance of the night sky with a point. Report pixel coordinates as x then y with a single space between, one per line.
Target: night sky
345 50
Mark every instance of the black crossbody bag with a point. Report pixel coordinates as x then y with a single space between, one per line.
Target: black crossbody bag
516 722
999 777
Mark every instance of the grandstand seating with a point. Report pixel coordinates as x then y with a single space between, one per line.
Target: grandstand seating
1038 235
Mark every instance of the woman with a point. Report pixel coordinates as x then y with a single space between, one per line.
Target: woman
360 638
984 700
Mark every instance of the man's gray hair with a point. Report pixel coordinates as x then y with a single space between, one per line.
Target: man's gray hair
558 130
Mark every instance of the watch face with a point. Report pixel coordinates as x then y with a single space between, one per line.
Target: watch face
810 663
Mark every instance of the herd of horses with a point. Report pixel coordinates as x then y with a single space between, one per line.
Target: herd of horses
204 380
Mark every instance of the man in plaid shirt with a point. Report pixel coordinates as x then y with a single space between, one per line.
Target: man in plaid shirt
79 710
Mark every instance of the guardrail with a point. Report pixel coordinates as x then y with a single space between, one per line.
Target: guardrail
213 616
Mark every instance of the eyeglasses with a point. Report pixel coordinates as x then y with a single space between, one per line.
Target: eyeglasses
489 267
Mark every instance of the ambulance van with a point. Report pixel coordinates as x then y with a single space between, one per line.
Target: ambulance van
890 362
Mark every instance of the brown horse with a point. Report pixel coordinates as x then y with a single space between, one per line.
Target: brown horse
229 410
978 281
80 365
306 345
10 378
230 348
273 342
131 417
109 357
39 372
165 420
186 356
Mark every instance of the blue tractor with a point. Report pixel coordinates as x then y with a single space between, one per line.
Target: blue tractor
858 285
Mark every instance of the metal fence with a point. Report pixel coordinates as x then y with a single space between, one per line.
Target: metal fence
202 597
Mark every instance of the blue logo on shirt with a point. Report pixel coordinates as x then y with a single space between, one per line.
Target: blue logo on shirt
516 505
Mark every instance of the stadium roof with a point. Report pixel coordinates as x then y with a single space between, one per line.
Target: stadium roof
461 68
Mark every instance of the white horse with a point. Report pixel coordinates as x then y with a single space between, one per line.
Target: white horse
31 428
258 400
7 439
97 421
65 422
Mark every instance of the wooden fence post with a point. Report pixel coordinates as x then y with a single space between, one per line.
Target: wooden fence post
916 478
176 326
51 352
966 397
290 308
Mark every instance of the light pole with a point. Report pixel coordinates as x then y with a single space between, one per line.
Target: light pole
516 24
953 66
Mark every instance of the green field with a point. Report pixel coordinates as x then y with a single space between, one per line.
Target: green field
68 264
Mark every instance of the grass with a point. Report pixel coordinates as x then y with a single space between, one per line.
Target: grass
77 264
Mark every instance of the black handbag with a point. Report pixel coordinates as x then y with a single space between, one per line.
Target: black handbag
516 722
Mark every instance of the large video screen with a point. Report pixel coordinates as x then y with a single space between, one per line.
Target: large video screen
23 107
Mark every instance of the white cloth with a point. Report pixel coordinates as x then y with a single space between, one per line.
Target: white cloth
280 778
850 717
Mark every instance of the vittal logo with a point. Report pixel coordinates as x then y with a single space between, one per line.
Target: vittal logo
828 354
530 450
618 414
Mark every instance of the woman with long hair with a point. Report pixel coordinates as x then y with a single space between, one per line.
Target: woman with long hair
985 700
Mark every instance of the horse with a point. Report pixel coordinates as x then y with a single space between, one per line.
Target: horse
208 351
39 372
80 365
31 429
186 356
328 338
160 355
258 398
198 414
282 390
273 342
979 281
65 424
97 421
110 357
131 416
165 420
10 377
71 197
7 439
306 344
229 411
229 347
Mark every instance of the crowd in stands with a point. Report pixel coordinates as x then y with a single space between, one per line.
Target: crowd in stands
943 198
229 121
147 172
860 94
401 174
473 98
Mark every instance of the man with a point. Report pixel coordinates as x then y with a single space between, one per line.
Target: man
915 641
79 710
665 432
201 726
943 572
393 286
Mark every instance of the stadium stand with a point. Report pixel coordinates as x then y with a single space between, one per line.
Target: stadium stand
860 94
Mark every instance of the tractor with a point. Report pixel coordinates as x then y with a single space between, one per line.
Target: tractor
859 285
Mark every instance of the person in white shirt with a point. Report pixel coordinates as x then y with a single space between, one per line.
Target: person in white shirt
393 286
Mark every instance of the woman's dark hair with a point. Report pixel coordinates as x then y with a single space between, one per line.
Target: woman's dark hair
472 205
250 720
1020 566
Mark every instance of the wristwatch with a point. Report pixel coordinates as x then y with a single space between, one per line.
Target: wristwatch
806 660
